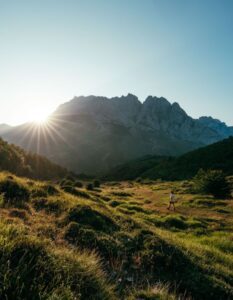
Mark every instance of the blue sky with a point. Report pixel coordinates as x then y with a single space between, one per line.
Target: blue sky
51 50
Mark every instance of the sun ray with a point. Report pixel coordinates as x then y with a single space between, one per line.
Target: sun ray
40 134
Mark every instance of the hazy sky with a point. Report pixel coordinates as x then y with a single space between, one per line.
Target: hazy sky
51 50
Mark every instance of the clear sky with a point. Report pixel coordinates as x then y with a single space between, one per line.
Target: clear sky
51 50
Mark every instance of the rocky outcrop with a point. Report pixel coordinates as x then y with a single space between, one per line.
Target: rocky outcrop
220 127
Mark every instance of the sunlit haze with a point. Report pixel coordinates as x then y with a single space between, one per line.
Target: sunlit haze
52 50
39 116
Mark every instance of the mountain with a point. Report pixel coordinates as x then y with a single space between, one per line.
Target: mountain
218 126
93 134
216 156
19 162
4 128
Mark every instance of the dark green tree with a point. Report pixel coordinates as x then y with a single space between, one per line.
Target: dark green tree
213 182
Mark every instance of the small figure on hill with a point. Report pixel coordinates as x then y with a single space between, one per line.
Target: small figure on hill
172 201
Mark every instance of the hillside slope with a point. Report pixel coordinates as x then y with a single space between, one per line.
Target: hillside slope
115 242
93 134
19 162
216 156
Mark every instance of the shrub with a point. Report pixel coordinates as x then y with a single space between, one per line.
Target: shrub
14 192
96 183
51 190
65 182
78 184
90 187
44 191
212 182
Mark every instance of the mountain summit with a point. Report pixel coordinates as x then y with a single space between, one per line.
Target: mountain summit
92 134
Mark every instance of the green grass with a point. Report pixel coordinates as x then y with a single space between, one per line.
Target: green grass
119 242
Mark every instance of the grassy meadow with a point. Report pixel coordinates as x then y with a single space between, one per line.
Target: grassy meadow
116 241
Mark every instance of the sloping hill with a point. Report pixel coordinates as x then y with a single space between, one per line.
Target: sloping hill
216 156
115 242
19 162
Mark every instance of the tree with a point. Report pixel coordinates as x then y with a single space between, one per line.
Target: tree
212 182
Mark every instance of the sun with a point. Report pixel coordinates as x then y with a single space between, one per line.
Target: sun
41 118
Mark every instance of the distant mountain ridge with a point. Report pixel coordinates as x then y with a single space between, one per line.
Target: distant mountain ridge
4 128
217 156
93 134
217 126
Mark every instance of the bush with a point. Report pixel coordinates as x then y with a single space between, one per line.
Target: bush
90 187
78 184
14 192
96 183
51 190
65 182
212 182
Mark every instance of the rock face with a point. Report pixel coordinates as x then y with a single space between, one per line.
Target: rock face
93 134
218 126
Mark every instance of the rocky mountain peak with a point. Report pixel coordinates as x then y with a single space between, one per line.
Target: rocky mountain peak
220 127
210 120
102 132
157 102
130 97
176 109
